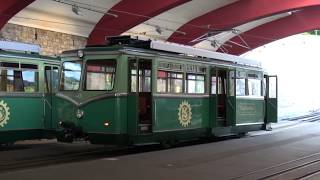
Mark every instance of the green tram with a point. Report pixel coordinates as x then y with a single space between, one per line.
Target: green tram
136 92
27 84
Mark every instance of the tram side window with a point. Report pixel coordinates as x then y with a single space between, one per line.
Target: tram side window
100 75
71 73
144 80
195 84
273 88
169 82
52 79
218 83
240 87
18 79
254 87
213 85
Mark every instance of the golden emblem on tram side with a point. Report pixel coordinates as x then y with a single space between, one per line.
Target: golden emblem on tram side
4 113
185 113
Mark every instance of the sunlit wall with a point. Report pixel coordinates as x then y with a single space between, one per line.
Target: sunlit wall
296 61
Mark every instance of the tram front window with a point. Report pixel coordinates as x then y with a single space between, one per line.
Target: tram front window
100 75
71 74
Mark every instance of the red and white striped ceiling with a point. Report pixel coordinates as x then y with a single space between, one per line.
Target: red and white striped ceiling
231 26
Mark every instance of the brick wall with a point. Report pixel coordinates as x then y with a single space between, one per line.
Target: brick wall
51 43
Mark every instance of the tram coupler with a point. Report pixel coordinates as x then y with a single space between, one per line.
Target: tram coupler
68 132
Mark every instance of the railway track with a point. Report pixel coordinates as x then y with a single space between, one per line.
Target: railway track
107 152
8 166
299 169
312 117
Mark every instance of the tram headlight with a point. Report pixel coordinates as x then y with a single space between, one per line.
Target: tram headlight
79 113
106 124
80 54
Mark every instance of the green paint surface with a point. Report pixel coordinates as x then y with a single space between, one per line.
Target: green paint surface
25 113
250 111
167 109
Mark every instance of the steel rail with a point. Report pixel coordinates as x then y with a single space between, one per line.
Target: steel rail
314 155
291 169
73 157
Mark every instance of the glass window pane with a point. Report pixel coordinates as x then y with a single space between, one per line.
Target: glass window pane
272 87
191 86
144 80
71 74
100 75
254 87
18 81
180 76
161 85
195 84
30 81
176 86
240 87
133 84
191 76
200 87
213 85
169 82
55 79
231 86
162 74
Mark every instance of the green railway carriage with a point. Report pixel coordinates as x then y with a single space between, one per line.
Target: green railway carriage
27 83
133 92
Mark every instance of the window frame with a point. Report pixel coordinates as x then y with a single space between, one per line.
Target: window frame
248 75
34 67
85 73
168 81
195 80
62 74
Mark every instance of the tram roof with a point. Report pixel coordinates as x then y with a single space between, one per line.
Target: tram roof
165 48
25 55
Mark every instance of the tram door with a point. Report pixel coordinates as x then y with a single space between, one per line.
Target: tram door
140 98
222 98
271 99
51 86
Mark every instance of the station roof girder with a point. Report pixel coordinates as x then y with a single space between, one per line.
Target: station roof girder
300 21
237 13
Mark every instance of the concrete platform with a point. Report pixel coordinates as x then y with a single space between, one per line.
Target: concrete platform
230 159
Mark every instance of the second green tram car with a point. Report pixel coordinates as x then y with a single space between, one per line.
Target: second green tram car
135 92
28 82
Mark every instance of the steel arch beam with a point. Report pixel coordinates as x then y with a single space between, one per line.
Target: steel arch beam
127 11
235 14
9 8
299 22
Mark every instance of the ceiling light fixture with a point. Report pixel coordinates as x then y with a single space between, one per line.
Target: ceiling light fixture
76 7
160 29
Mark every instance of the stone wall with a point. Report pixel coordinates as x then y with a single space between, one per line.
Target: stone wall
51 43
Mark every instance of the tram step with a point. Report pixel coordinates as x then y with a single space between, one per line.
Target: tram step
145 128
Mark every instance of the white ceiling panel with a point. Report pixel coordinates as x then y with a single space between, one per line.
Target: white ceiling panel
56 16
171 20
223 37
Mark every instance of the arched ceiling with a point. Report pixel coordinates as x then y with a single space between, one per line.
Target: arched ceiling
124 18
299 22
227 25
235 14
8 8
